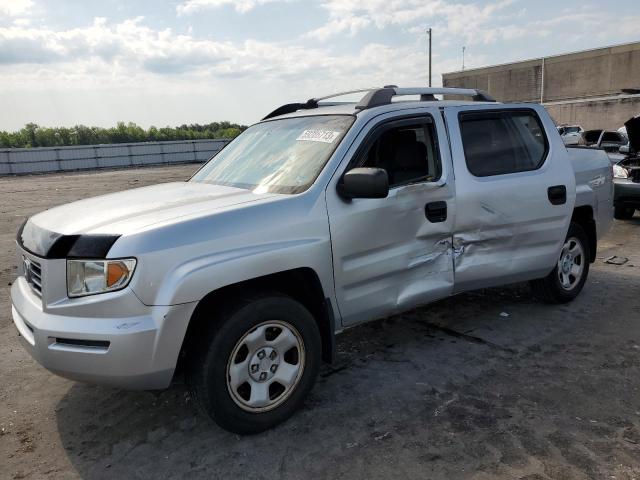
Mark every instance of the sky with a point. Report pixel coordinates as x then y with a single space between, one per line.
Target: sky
154 62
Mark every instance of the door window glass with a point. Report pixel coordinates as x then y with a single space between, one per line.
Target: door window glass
496 143
408 153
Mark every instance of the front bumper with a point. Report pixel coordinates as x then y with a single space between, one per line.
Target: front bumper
626 193
138 351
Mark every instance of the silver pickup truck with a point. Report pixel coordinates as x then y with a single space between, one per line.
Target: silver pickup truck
322 216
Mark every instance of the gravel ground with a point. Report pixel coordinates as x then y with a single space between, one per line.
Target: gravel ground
489 384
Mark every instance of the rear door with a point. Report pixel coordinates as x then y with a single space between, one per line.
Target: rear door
515 194
393 253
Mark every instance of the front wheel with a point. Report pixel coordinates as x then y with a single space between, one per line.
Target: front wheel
255 368
566 280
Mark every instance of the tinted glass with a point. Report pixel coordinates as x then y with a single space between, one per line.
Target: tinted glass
280 156
408 153
611 137
497 143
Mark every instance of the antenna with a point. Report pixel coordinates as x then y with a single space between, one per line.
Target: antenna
463 50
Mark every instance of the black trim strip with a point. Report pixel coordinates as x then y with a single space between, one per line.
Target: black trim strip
89 246
329 347
73 342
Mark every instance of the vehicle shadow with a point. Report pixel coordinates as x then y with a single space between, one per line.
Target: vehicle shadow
433 387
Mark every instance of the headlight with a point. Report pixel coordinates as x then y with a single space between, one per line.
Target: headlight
88 277
620 172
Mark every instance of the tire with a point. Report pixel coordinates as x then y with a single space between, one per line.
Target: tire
566 280
231 371
623 213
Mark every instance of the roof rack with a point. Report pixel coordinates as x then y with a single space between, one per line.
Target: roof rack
376 97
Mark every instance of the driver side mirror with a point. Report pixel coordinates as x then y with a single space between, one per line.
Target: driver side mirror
364 183
624 149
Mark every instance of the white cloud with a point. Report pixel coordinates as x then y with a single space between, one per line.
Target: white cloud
464 20
335 26
104 70
131 48
15 8
241 6
120 52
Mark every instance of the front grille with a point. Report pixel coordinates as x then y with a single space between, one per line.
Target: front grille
33 274
634 174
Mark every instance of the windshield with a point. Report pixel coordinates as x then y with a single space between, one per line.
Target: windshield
280 156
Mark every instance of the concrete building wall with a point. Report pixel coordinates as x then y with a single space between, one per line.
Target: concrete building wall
593 79
609 114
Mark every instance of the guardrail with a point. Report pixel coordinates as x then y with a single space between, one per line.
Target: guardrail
87 157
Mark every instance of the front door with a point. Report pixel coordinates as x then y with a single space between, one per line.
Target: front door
394 253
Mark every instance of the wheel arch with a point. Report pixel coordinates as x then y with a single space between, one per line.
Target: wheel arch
583 216
301 284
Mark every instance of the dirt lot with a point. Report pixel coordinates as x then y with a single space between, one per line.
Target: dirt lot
489 384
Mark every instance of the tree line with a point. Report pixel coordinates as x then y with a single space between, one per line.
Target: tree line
33 135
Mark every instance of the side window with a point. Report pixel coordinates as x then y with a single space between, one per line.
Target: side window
407 152
496 143
611 137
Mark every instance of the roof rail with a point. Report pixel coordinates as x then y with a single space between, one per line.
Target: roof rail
311 103
383 96
376 97
292 107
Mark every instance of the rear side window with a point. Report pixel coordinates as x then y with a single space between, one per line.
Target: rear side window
497 143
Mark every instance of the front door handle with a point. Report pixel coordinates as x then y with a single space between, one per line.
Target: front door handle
436 211
557 194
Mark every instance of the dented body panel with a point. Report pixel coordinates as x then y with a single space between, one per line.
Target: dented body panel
386 256
506 228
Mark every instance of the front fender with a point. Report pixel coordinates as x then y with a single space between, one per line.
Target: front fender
193 279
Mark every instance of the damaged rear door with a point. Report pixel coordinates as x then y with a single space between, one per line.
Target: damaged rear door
393 253
515 194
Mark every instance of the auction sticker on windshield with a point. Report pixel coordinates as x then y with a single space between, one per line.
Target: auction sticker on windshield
325 136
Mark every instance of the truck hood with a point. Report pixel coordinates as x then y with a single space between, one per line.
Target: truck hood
633 132
110 216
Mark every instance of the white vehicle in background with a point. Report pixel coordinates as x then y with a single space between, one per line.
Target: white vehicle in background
570 134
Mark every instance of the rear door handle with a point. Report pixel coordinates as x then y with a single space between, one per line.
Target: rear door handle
436 211
557 194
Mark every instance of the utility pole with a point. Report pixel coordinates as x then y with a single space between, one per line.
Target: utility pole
463 50
542 82
429 32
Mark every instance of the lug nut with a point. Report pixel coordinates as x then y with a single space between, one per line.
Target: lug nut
254 368
261 354
273 368
273 355
263 376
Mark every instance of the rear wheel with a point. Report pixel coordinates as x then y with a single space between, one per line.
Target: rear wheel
254 370
623 213
567 279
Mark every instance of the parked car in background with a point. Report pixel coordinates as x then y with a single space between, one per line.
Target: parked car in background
607 140
570 134
626 173
318 218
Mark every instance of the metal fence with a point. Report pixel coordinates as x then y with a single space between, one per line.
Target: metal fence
88 157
